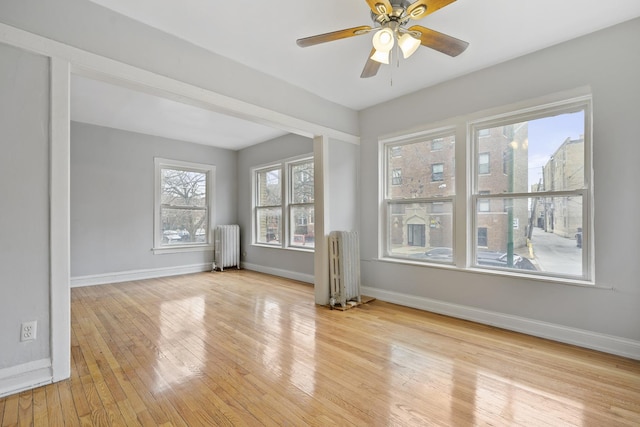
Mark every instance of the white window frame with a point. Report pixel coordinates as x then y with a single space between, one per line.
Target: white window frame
538 112
385 184
465 202
209 170
286 205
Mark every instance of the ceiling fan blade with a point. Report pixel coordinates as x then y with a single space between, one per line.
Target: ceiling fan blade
371 67
421 8
380 7
439 41
335 35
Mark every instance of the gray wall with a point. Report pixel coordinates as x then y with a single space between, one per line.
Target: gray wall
342 194
603 60
294 262
112 204
24 216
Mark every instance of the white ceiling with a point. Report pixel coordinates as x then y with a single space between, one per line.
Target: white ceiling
262 36
104 104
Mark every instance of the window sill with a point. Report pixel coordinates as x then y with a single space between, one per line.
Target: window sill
181 249
514 274
288 248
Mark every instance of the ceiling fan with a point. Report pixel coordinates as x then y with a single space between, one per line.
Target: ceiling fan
390 19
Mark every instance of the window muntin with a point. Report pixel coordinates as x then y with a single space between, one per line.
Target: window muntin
284 204
543 159
183 199
419 210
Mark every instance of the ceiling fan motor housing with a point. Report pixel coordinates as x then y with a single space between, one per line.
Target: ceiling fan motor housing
399 11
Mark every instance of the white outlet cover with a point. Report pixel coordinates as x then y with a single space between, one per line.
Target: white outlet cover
28 331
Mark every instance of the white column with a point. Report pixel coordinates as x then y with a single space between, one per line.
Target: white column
59 158
321 226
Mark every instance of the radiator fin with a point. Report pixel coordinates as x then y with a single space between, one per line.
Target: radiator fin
344 267
226 250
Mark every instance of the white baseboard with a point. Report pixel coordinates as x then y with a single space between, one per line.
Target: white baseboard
127 276
592 340
294 275
24 377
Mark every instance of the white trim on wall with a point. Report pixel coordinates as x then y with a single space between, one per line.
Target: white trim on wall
25 376
580 337
128 276
293 275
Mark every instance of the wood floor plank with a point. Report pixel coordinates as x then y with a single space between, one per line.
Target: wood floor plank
11 405
244 348
25 408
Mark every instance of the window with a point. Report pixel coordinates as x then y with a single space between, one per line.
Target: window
183 205
516 219
483 163
437 172
301 211
268 205
482 237
284 204
484 205
419 210
544 191
396 176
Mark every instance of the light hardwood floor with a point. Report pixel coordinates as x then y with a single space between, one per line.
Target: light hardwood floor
242 348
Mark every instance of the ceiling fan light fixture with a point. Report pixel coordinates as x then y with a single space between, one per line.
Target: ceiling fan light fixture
408 44
381 57
383 40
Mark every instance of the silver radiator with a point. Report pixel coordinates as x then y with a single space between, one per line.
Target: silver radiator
226 249
344 267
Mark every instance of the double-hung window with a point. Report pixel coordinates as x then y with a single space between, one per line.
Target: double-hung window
284 204
528 193
183 205
268 210
544 190
419 209
301 207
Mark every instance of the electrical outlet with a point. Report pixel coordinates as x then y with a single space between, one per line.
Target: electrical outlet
28 331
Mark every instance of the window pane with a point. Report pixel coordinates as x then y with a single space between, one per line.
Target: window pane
302 182
534 234
419 228
268 227
483 163
437 172
269 187
302 221
546 152
182 226
416 161
396 177
183 188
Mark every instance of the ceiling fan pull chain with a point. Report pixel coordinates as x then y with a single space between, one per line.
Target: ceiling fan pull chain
391 76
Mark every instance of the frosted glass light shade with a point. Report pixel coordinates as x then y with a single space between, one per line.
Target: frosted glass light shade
381 57
383 40
408 44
